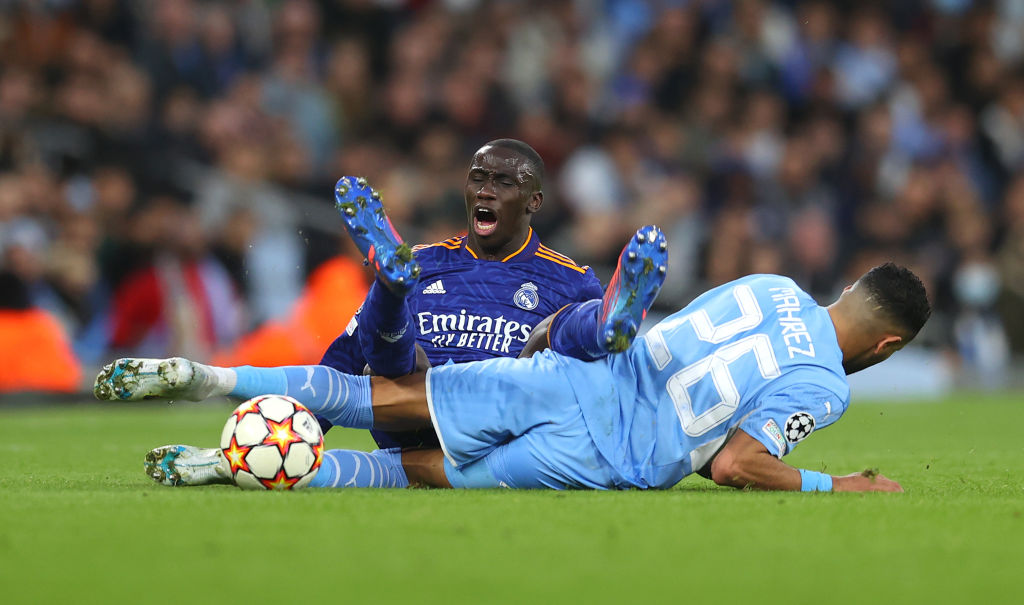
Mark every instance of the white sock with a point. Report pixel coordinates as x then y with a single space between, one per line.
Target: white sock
211 381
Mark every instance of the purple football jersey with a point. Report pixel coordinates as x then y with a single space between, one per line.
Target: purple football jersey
465 309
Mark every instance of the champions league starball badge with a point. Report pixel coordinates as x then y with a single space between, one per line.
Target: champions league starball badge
798 426
526 297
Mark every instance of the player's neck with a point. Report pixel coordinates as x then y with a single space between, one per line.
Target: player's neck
842 327
501 252
852 338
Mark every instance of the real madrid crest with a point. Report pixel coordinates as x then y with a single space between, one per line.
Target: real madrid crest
526 297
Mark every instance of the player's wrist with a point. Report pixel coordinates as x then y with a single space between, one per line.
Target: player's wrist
811 481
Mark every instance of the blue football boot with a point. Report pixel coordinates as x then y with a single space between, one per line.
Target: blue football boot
637 280
371 230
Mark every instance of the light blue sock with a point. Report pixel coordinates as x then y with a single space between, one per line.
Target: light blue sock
349 468
342 399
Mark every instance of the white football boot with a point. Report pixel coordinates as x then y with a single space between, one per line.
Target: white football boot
181 465
133 379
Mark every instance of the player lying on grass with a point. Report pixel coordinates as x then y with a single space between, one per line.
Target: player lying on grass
725 387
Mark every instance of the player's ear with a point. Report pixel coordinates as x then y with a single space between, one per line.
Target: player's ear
890 342
536 201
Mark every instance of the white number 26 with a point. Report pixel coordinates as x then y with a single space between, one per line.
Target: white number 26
696 422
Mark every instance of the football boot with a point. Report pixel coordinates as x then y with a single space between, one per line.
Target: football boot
371 230
638 277
179 465
134 379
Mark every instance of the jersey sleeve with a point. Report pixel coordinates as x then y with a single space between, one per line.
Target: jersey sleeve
590 287
787 417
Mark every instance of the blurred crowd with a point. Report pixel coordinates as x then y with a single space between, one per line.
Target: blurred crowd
166 166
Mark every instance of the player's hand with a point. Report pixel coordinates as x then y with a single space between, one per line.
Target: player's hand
865 481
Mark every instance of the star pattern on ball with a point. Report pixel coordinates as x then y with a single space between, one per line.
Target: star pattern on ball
282 435
280 481
249 407
318 454
253 449
235 455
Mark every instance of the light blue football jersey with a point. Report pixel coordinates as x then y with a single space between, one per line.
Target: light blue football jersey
757 354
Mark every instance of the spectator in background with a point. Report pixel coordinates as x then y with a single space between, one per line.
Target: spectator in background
809 56
171 52
244 142
864 63
183 299
292 89
223 54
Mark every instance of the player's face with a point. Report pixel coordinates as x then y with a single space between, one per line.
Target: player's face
501 194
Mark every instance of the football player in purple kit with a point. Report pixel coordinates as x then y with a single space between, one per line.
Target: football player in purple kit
466 298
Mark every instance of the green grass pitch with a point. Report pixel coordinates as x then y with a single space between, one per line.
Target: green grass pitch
80 523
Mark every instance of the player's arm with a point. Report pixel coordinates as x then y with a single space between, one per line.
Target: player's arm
746 462
539 337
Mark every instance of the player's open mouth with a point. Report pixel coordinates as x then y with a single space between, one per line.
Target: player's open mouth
485 220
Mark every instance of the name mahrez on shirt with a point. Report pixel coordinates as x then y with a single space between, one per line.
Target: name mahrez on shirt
794 331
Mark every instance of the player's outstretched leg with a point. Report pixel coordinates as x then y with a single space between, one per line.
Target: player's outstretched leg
351 468
373 234
134 379
180 465
638 277
386 335
341 399
593 329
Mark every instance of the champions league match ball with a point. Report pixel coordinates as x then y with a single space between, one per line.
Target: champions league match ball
272 442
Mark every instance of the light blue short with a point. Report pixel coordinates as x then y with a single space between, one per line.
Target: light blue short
515 423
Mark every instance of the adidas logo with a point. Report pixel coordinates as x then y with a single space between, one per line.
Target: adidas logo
435 288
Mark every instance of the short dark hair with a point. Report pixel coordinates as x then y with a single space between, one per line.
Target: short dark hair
532 157
900 295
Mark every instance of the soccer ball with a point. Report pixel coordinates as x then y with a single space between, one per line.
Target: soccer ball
272 442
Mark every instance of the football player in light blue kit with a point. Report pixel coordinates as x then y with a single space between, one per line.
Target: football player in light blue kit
725 387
